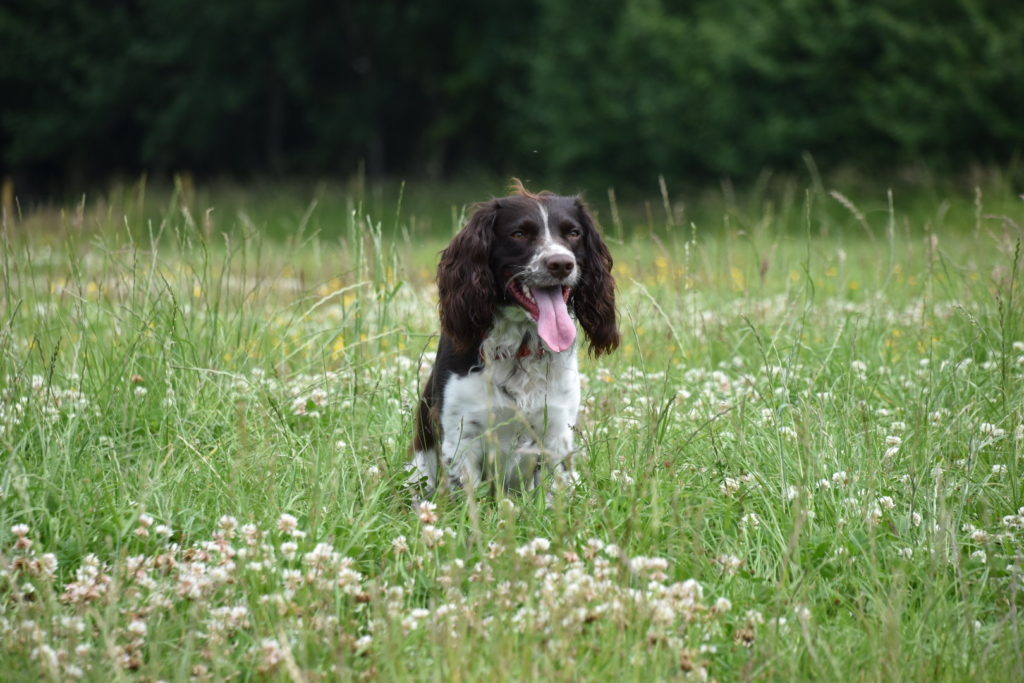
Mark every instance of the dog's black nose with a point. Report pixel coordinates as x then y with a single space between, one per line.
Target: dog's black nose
560 266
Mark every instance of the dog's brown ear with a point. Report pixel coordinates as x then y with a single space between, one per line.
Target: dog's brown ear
594 296
465 282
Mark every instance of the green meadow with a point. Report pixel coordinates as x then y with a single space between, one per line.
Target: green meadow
804 461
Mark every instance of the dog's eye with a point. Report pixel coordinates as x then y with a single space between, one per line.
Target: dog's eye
518 234
573 233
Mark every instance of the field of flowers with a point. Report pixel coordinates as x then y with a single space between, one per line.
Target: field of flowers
805 461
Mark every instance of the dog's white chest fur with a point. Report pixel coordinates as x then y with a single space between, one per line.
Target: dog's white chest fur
514 415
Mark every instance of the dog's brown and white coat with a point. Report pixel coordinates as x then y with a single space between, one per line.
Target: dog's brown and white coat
502 399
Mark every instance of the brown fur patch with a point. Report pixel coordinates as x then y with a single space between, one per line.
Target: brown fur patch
517 187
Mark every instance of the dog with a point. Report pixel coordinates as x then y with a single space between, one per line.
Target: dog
501 402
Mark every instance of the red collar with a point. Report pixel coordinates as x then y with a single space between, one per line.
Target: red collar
524 351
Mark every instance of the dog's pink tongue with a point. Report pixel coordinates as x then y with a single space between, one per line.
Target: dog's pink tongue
554 324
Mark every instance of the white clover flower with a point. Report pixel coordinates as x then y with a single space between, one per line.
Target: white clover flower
915 518
1014 521
228 524
349 579
540 545
251 533
723 604
689 591
905 553
321 555
426 511
47 655
432 536
363 643
980 556
893 440
887 502
651 565
271 652
48 564
980 536
840 478
751 519
292 578
750 480
400 545
792 492
622 478
289 550
999 470
287 524
729 486
137 628
874 515
221 574
991 430
20 530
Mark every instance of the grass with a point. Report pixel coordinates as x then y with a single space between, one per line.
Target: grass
804 462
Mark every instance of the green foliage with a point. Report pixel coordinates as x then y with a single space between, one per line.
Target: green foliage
617 91
804 461
728 88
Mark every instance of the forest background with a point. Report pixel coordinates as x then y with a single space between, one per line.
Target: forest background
595 94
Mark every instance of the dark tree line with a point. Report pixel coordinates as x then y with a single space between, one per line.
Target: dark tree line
594 90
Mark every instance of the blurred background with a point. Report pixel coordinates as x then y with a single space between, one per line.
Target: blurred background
570 94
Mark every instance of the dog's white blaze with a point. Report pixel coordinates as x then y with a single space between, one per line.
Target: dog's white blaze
544 221
549 246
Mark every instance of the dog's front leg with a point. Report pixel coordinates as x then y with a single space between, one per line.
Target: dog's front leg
559 442
463 460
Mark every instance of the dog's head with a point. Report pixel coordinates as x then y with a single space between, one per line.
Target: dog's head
542 252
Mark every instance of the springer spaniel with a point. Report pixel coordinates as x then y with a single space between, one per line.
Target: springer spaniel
501 402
